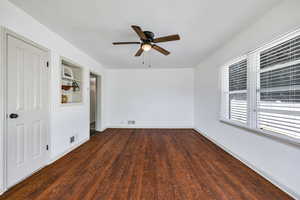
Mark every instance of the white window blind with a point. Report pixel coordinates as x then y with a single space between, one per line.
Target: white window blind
278 94
238 91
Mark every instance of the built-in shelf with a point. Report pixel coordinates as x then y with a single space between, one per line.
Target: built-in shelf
71 83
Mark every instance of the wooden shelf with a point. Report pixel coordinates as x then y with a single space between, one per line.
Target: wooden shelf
66 87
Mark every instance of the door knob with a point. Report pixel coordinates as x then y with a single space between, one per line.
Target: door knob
13 115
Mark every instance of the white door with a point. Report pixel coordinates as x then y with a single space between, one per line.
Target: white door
27 108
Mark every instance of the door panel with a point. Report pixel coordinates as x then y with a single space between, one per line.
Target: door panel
36 139
20 150
27 96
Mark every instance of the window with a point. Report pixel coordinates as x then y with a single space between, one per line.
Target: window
279 88
238 91
261 91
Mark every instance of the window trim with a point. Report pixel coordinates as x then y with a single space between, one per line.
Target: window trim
278 40
253 64
291 140
225 89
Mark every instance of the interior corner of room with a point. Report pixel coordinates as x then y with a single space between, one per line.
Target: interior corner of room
223 96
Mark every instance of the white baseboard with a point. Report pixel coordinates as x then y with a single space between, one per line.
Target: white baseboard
262 173
52 160
102 129
152 126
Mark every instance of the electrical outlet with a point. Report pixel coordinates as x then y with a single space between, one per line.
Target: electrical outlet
131 122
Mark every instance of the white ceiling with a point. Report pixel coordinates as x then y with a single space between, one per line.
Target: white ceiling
92 25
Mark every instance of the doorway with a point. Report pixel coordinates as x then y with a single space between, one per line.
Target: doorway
27 107
95 103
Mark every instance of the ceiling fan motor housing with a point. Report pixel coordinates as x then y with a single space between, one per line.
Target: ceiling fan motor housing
149 35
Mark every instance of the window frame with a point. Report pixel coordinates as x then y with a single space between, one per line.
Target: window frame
226 92
253 89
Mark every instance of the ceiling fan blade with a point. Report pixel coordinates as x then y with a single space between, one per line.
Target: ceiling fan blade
139 52
120 43
166 38
139 31
161 50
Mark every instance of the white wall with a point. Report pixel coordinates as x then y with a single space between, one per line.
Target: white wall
277 160
152 97
67 120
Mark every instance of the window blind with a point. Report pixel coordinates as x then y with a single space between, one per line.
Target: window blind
238 91
285 52
238 76
279 88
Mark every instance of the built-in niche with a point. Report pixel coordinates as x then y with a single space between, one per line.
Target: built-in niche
71 83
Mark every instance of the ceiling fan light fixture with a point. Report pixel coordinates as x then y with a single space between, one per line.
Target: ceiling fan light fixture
146 47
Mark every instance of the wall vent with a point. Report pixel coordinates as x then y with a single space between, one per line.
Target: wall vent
131 122
72 139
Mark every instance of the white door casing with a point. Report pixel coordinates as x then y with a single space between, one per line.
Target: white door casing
28 99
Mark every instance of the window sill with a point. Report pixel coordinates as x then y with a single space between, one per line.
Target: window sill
270 134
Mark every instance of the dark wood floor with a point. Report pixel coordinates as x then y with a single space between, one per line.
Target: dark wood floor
146 164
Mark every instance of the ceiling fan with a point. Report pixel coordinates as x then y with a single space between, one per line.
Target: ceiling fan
148 41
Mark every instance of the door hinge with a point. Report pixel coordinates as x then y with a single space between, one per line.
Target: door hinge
47 64
47 147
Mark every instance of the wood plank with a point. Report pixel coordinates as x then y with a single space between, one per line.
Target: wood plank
146 164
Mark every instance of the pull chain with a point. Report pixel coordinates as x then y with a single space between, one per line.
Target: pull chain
143 59
149 60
